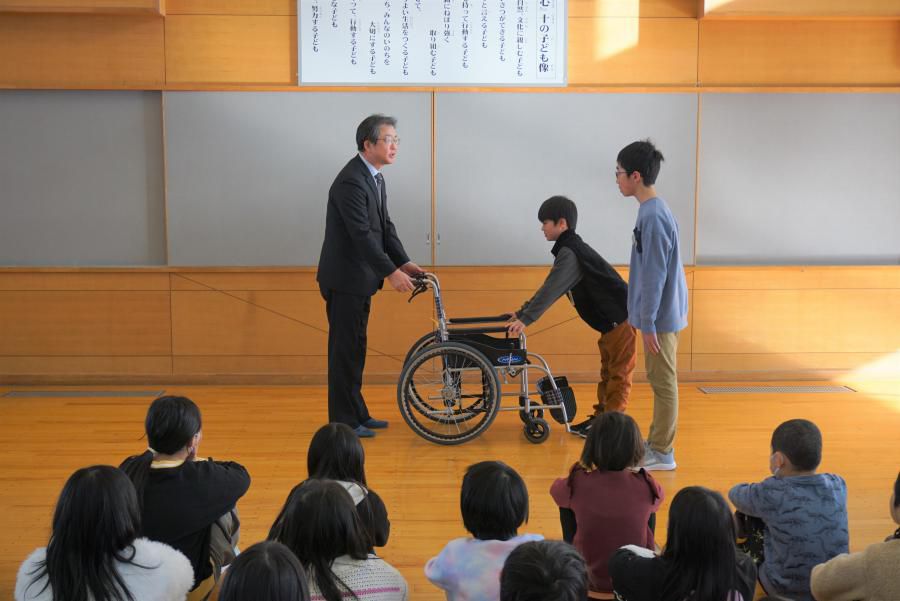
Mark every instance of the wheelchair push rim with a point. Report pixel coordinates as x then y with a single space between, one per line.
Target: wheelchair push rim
448 393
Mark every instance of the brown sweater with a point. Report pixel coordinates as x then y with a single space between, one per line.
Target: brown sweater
870 575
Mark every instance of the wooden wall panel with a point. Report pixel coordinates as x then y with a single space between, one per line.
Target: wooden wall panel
62 280
231 7
242 280
76 51
800 9
796 321
795 278
748 363
213 323
632 8
259 323
84 6
80 368
631 51
749 53
315 366
231 49
82 323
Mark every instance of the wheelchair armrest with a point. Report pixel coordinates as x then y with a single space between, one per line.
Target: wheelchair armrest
490 319
487 330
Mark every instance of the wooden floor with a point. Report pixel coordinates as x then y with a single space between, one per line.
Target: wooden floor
722 440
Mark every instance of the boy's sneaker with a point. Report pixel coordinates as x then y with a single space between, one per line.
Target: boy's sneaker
583 428
660 462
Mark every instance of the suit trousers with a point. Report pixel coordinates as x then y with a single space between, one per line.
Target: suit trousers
348 319
617 360
663 378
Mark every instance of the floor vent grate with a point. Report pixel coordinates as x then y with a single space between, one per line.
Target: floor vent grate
772 389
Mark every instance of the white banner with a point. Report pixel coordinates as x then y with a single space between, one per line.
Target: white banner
432 42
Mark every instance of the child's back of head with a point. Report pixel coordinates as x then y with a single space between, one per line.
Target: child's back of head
614 443
267 570
542 570
493 500
800 442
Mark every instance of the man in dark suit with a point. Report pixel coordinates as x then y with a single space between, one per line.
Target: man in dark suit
360 250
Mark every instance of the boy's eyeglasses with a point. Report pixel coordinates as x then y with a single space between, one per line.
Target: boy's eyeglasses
618 173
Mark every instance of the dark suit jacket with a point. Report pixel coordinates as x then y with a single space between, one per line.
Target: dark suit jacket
361 246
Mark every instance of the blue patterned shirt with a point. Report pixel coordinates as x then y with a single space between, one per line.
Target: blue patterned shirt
806 524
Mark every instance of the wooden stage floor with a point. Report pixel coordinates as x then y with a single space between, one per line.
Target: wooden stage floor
722 440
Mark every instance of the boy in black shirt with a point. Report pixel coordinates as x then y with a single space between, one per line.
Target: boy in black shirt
599 295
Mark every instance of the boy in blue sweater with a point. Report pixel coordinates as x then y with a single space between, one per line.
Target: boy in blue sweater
804 513
657 294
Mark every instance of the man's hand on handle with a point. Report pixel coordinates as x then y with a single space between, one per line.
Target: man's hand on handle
400 281
411 269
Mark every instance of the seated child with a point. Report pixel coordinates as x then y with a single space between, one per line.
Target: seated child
700 561
870 575
607 501
95 551
336 453
543 570
494 503
267 570
804 513
320 524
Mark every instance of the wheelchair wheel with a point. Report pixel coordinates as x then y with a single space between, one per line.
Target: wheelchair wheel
532 415
448 393
426 340
421 403
537 431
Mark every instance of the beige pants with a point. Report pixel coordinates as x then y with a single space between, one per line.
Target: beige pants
663 378
224 536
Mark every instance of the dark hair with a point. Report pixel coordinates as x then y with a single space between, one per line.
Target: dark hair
800 441
897 491
267 570
493 500
335 453
541 570
171 423
319 523
700 547
94 525
370 129
614 443
559 207
642 157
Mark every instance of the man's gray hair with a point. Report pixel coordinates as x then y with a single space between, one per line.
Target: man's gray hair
370 128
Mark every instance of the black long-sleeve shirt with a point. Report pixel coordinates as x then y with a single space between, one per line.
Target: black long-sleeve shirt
182 502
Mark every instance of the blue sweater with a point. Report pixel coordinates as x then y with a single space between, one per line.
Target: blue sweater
657 289
806 524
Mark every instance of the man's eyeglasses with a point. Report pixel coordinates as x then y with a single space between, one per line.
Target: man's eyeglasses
618 173
391 140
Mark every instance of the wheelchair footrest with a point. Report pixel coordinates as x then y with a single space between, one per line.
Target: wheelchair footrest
562 395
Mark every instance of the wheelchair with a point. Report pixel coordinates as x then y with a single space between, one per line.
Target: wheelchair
452 379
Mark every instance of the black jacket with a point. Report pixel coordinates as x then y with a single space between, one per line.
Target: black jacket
601 296
361 246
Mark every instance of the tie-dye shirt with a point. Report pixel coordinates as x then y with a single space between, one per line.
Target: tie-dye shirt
468 569
806 524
